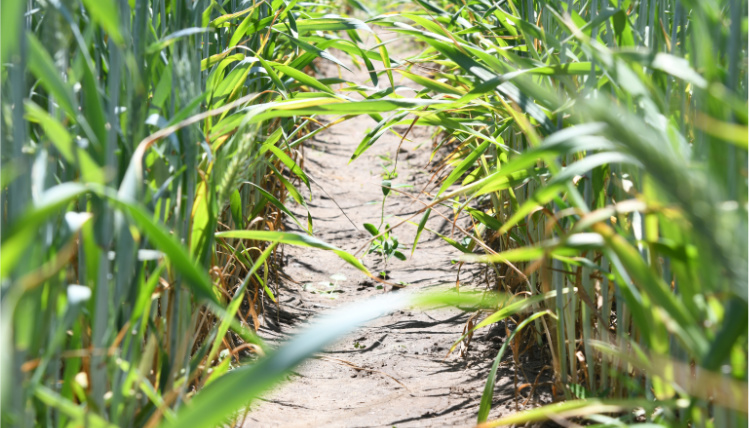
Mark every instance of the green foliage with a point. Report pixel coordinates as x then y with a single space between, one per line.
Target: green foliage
599 147
593 141
135 135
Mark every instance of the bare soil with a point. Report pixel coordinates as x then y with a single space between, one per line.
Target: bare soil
395 371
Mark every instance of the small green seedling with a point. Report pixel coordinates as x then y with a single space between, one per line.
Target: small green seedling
385 243
387 162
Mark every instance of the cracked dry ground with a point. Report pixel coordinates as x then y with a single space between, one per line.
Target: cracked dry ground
393 371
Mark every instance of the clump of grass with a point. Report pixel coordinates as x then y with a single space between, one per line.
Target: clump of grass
608 175
133 133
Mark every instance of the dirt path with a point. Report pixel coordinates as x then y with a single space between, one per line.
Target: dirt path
406 348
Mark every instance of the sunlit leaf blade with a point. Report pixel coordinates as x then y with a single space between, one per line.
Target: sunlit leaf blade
293 239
